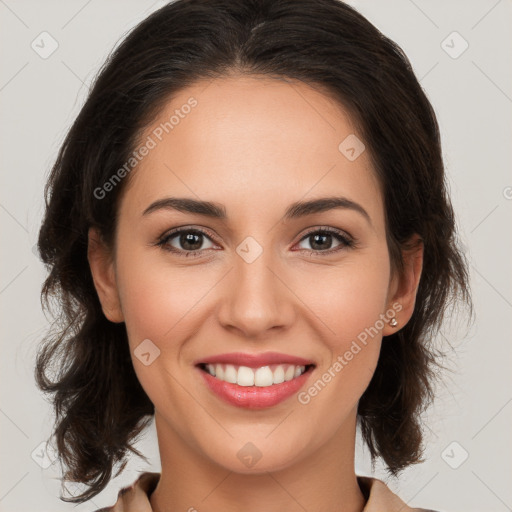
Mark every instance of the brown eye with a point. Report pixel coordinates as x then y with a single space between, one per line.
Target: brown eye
322 240
186 241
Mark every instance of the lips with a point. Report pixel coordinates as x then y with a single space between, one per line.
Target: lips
255 381
255 360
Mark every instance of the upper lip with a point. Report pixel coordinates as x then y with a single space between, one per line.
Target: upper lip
254 360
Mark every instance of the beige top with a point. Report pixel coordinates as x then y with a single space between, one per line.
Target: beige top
135 498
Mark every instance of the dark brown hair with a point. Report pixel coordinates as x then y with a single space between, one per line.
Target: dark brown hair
100 406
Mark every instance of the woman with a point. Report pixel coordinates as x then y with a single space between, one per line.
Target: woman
248 231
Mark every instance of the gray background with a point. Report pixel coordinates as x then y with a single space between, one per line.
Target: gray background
472 95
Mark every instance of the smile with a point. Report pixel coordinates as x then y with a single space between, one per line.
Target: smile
263 376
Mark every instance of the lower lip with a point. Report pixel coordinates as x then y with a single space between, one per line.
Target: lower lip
254 397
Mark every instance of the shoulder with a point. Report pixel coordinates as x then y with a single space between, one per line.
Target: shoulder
380 497
135 497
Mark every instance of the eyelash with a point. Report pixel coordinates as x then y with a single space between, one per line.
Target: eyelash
346 241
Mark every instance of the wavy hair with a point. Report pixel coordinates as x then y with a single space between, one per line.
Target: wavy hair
84 361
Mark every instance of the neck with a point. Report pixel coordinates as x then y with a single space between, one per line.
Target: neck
324 480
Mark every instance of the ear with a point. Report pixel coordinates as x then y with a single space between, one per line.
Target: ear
404 285
102 270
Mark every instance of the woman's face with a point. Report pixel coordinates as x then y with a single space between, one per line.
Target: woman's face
257 274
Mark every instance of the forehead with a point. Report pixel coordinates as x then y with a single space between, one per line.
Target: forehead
255 140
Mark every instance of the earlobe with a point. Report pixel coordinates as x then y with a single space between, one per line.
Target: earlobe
406 286
102 270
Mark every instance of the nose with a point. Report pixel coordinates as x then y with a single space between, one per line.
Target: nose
256 298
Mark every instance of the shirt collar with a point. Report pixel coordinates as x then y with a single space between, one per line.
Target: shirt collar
135 498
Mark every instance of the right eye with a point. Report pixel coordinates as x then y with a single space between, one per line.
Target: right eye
190 240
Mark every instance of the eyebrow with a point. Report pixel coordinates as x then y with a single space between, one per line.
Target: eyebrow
294 211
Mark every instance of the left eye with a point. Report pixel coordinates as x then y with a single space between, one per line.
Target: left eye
321 240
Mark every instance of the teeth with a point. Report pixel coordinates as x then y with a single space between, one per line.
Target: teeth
245 376
230 374
279 375
290 373
261 377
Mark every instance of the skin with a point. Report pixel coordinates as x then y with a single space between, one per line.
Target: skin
254 145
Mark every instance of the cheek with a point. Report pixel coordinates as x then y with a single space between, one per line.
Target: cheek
351 304
159 301
350 299
159 304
